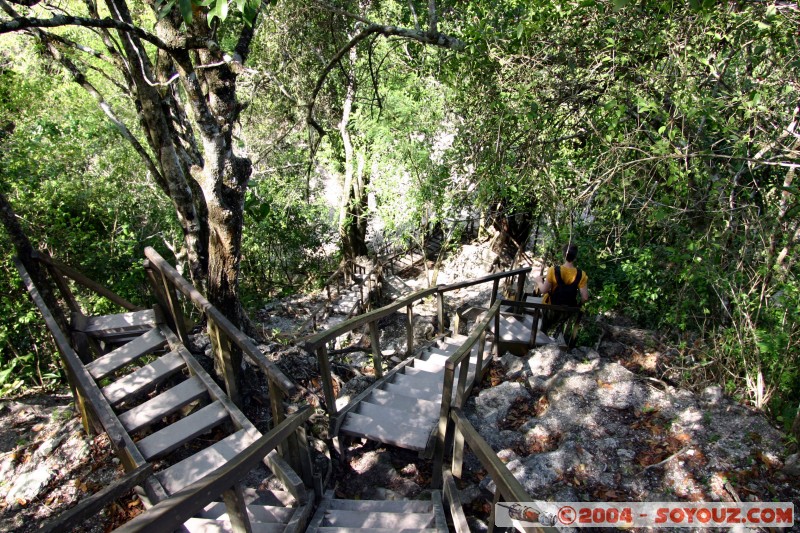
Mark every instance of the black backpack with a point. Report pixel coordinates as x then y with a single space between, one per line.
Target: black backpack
563 294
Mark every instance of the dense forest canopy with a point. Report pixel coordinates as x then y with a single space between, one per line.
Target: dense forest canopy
258 142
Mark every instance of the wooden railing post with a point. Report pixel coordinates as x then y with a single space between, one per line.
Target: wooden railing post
327 384
237 510
521 287
495 287
226 359
377 356
440 311
409 330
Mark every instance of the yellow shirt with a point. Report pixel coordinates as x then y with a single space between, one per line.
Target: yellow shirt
567 276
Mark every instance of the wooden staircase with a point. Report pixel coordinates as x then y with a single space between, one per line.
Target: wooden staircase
379 516
165 401
403 408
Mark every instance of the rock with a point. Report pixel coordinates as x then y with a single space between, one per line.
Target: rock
627 455
792 465
589 353
382 493
544 361
469 494
352 389
502 440
29 485
512 364
712 395
49 445
611 349
494 403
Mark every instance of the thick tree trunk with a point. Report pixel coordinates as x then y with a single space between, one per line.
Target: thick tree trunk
24 250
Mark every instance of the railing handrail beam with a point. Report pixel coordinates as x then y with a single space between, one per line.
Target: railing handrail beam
169 514
223 323
312 342
484 279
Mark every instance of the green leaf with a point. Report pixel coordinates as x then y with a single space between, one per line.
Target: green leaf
165 9
186 10
218 10
619 4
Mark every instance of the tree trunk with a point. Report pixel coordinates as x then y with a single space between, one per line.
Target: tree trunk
24 250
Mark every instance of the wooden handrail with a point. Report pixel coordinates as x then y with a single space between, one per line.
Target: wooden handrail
226 326
313 342
510 489
83 382
460 357
80 278
484 279
169 514
96 502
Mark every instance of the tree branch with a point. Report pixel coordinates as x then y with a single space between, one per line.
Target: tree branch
436 39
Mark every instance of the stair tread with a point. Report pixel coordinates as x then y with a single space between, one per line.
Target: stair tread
429 371
417 382
206 525
268 514
359 519
389 417
406 403
389 506
162 405
182 431
403 437
205 461
109 325
143 378
144 344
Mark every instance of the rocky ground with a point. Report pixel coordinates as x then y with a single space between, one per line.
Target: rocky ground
593 424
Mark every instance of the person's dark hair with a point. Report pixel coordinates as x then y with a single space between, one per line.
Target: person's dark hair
570 252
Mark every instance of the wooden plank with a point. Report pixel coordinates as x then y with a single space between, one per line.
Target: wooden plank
389 417
453 499
409 329
86 282
228 358
83 381
297 523
212 313
377 356
204 462
104 325
205 525
288 477
145 344
363 426
95 503
413 406
175 435
423 385
385 506
162 405
312 342
257 513
143 379
333 529
170 514
237 510
358 519
439 518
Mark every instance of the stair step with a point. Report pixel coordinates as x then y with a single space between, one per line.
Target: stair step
386 506
373 530
175 435
206 525
145 344
401 436
434 366
162 405
414 382
144 378
113 325
513 329
359 519
268 514
205 461
433 372
389 417
412 392
408 404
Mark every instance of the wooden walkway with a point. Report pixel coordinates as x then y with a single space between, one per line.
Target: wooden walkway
176 414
